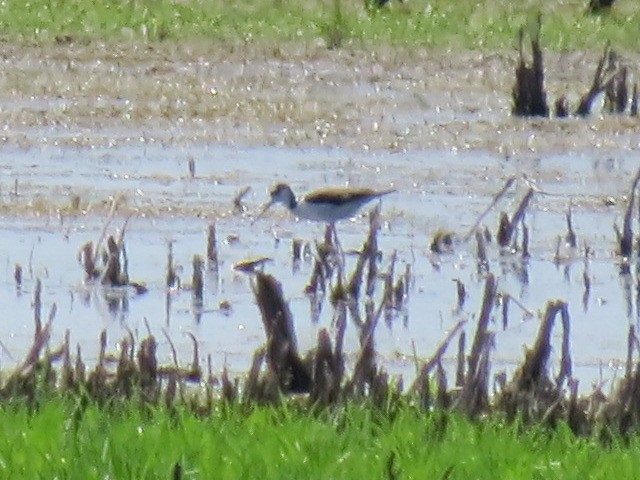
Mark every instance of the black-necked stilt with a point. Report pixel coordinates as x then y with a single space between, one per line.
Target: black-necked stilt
326 205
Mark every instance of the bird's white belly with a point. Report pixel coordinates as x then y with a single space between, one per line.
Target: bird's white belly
326 212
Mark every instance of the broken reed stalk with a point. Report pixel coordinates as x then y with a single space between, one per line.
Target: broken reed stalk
86 256
586 280
374 228
436 359
367 256
566 369
490 290
529 97
296 252
508 227
483 262
460 359
197 281
365 371
616 93
532 375
387 293
461 294
282 351
113 274
625 240
570 238
328 365
238 204
37 308
112 213
599 82
172 276
496 198
474 395
212 248
17 276
632 343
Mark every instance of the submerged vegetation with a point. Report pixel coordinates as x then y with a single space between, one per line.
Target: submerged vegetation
438 23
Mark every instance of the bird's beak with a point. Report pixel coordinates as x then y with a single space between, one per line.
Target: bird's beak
262 212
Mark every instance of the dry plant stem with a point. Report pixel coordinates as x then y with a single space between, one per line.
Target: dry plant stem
461 293
195 372
237 199
67 381
519 304
617 91
565 359
367 255
423 377
525 242
35 351
632 341
483 262
460 359
172 277
479 338
251 390
586 279
374 228
212 248
37 309
529 97
505 311
17 275
296 251
365 368
507 228
533 371
112 274
474 396
626 240
197 280
107 223
86 256
341 327
496 198
387 294
571 235
282 351
598 84
192 167
324 388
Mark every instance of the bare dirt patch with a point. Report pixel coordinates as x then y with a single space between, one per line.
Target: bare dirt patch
386 98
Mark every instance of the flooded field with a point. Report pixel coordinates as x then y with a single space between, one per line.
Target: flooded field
152 183
71 150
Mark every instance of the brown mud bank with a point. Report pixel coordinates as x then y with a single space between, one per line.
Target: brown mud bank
379 98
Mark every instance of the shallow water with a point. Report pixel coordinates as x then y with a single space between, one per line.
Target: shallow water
435 190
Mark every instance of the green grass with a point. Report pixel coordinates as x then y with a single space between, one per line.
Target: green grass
479 24
59 441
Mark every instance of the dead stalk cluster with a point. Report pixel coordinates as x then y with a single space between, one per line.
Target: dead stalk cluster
610 79
532 394
359 298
